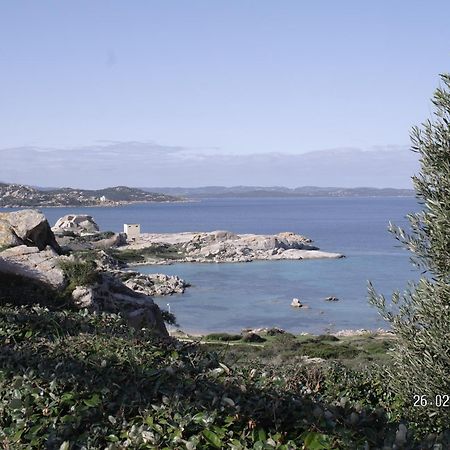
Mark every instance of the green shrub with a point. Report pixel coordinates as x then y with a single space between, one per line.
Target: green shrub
420 317
225 337
169 317
79 272
327 350
365 386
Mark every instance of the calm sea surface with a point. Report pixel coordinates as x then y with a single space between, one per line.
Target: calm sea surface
229 297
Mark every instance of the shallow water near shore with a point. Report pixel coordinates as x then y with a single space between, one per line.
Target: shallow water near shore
229 297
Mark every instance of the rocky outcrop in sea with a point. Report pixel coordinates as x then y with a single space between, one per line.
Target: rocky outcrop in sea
225 246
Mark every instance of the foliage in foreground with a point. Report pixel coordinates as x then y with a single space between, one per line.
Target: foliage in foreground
420 317
73 379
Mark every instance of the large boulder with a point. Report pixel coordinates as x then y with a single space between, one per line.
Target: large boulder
288 240
29 227
110 294
8 238
77 224
29 262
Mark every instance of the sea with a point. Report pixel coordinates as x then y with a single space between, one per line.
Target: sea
229 297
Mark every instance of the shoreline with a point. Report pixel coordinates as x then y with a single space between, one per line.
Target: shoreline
200 199
115 205
177 332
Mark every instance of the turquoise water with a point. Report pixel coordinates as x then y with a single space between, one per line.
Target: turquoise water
229 297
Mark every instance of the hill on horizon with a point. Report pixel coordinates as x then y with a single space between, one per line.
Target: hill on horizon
19 195
280 191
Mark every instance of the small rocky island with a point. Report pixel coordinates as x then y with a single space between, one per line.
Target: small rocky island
219 247
18 196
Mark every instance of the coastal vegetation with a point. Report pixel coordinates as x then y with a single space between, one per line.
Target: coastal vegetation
71 379
79 271
154 252
355 350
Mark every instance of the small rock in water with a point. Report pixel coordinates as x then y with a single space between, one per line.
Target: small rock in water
331 299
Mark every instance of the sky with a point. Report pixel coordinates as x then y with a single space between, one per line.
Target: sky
188 93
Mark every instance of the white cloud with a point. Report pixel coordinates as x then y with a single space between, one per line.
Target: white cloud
149 164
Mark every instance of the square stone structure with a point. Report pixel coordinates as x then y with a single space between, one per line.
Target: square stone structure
132 230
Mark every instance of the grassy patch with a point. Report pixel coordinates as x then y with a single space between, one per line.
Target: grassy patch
353 351
79 272
223 337
151 253
328 350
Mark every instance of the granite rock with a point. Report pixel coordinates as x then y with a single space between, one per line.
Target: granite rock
77 224
30 227
111 295
34 264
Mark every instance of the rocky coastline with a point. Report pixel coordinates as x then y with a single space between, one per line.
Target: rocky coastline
93 268
32 260
219 247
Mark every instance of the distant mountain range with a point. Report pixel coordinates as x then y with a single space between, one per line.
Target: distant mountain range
18 195
280 191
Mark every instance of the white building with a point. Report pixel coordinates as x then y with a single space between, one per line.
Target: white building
132 230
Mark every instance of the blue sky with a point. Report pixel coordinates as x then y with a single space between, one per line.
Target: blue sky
215 78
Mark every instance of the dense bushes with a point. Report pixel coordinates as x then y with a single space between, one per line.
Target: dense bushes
75 379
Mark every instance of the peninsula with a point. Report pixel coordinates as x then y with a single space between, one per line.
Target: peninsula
18 195
218 247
